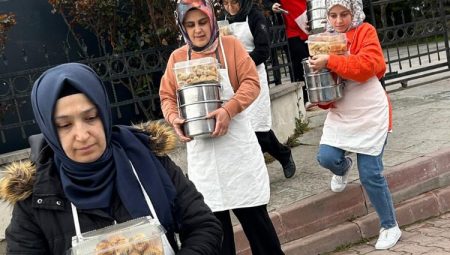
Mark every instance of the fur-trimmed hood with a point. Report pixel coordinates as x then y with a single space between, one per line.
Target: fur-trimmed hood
19 177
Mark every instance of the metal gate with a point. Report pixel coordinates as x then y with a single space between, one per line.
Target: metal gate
413 35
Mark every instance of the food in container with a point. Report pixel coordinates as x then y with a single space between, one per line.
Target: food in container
327 43
135 237
196 71
120 245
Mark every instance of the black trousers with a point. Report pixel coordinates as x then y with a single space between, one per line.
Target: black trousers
298 50
258 228
270 144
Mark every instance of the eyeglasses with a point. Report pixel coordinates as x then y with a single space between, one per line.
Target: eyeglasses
233 2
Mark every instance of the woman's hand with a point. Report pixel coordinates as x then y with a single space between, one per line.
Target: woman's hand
222 121
177 124
318 62
276 7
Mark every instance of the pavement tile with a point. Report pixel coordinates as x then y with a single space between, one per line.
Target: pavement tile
431 230
383 252
445 244
364 248
412 248
424 240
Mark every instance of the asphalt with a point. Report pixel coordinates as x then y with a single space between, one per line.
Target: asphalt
310 219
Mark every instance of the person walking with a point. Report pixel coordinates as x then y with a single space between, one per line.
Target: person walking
227 168
249 25
298 49
361 120
87 174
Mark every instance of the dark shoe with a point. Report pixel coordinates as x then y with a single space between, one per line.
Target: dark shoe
289 168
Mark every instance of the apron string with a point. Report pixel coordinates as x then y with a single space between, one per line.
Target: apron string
147 200
76 222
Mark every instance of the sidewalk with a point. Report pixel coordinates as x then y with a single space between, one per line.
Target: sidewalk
417 160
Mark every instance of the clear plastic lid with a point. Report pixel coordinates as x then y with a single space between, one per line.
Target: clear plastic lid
327 43
195 62
197 71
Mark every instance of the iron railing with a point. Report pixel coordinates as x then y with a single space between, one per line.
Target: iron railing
279 64
414 39
132 80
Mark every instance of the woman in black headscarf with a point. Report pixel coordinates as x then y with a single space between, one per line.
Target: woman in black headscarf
248 24
92 174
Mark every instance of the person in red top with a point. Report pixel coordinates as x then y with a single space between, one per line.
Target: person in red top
360 121
296 37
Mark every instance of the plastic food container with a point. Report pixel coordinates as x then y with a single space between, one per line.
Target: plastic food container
224 27
138 236
197 71
327 43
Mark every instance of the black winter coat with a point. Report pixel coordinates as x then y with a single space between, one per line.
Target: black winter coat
42 221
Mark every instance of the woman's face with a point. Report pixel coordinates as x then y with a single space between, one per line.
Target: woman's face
198 27
340 18
231 6
80 129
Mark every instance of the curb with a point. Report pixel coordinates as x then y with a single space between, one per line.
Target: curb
322 222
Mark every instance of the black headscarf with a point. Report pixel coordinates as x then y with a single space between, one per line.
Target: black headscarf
92 185
245 7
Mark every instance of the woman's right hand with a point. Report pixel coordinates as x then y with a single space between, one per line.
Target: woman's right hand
177 124
276 7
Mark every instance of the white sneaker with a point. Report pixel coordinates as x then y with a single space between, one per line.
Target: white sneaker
338 183
388 238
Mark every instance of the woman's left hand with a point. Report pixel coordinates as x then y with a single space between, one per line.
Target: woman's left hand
318 62
222 121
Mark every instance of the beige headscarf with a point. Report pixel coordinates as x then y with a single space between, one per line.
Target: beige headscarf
355 7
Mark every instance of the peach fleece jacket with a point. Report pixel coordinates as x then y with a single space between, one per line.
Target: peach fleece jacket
366 56
241 71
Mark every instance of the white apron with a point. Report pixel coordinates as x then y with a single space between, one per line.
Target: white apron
359 122
259 111
229 170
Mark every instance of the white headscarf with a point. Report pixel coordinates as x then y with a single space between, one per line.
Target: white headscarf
355 7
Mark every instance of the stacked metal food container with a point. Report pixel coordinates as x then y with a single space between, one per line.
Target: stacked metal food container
198 94
322 86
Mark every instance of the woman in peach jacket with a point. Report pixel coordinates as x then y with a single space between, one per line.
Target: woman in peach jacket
361 120
227 168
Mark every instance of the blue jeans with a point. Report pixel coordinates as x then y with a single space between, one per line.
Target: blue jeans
370 170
